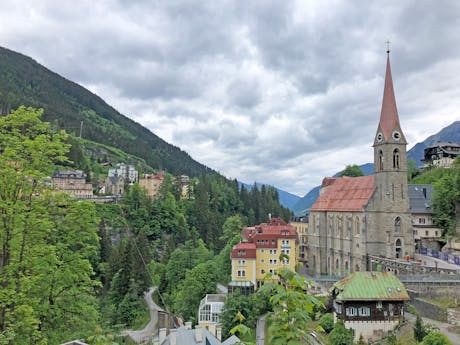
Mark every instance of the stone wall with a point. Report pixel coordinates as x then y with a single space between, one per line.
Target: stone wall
430 310
453 316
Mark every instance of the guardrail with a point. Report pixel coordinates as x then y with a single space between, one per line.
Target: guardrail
440 255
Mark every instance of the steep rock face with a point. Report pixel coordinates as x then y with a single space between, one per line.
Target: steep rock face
69 106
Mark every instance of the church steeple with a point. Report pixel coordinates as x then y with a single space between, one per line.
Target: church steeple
389 127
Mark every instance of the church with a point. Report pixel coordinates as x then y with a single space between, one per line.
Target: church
368 215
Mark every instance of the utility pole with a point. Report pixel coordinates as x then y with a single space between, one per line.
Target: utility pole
81 128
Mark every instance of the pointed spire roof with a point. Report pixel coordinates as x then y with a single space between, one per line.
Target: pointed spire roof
389 119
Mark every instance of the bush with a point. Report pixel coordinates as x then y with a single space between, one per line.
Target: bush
436 338
327 322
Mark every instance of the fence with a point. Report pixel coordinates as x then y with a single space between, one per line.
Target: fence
440 255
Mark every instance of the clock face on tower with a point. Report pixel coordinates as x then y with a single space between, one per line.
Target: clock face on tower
379 137
396 135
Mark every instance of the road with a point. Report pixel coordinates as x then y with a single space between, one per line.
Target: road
445 328
144 335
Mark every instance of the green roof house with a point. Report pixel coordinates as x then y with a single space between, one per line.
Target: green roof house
371 303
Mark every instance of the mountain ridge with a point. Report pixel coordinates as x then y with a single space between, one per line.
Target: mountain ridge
23 81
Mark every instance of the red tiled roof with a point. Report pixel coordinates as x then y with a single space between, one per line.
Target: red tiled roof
389 115
345 194
244 250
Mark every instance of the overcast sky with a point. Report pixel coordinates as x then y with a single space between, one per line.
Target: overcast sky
280 92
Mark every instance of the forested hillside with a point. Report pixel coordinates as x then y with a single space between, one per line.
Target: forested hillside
73 269
66 104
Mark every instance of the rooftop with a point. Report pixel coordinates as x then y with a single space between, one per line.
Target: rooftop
345 194
370 286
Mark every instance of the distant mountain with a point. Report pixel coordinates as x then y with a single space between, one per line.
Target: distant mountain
286 199
67 105
449 133
303 205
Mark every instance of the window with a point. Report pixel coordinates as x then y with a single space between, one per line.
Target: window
364 311
380 160
338 307
262 271
426 232
396 159
241 273
421 220
241 262
350 311
397 224
273 251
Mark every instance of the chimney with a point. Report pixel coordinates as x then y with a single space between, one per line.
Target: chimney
198 334
219 333
212 329
188 325
162 335
172 336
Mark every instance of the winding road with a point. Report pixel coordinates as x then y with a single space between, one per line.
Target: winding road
149 332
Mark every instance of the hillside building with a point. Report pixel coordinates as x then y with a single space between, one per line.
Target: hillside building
152 183
426 233
126 171
264 249
441 154
72 182
370 303
357 216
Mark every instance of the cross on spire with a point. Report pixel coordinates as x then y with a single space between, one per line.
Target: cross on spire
388 46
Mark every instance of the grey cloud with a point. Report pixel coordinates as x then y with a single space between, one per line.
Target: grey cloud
244 93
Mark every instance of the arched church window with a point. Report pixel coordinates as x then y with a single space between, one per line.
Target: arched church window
397 224
380 166
396 159
357 226
398 248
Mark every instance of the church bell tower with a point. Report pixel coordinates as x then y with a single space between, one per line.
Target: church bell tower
393 228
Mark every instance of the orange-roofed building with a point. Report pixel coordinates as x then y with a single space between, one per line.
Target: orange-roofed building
354 217
265 248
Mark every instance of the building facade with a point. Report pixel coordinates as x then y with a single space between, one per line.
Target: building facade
72 182
264 249
426 233
127 171
370 303
356 216
152 183
441 154
300 225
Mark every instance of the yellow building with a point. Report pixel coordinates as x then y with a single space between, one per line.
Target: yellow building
300 225
152 183
264 249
